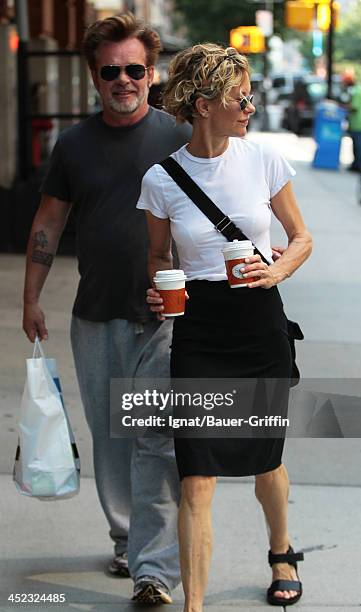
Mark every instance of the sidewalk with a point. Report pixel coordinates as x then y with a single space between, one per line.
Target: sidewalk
64 547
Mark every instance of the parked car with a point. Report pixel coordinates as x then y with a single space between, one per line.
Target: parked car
299 113
282 86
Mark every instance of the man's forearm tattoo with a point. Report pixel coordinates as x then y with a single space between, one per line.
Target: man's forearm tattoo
42 257
40 239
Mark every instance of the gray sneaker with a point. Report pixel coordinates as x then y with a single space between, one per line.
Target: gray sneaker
119 566
150 590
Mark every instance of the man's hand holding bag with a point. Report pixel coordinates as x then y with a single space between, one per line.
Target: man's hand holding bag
47 463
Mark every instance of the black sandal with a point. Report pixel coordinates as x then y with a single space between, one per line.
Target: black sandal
291 558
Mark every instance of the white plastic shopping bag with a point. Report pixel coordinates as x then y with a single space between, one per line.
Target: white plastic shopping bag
47 463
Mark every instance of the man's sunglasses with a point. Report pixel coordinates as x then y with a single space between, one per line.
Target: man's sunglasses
244 101
134 71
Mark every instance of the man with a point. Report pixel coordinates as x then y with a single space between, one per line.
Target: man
96 168
354 121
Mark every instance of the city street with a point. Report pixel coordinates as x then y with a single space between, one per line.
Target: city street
64 547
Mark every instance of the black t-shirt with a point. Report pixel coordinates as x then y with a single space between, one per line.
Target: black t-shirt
99 169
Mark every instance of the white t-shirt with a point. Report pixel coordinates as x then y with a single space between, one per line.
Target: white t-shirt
241 182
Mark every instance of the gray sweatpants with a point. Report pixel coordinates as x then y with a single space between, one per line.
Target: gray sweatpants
137 480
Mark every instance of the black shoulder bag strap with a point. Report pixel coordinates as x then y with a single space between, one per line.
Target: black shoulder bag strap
221 222
225 226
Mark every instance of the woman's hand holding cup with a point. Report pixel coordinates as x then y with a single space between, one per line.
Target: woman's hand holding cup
244 269
255 267
168 297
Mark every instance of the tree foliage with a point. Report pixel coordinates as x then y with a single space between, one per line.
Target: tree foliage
348 39
212 20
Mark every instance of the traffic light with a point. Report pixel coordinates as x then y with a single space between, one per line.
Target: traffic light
300 15
13 41
324 16
304 15
247 39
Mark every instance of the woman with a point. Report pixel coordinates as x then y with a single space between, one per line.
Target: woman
209 86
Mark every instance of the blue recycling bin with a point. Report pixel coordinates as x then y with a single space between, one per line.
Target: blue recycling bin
328 132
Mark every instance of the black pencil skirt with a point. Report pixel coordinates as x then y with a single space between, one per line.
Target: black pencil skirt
230 333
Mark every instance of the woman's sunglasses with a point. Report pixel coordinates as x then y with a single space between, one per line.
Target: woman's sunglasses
134 71
244 101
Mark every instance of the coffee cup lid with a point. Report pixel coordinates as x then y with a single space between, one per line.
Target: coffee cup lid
236 245
169 275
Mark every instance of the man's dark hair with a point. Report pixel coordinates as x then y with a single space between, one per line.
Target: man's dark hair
116 29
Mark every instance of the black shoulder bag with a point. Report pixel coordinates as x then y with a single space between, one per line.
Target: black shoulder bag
225 226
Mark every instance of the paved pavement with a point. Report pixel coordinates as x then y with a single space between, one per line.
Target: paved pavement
63 547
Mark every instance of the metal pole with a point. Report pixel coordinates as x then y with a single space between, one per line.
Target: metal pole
330 44
268 5
265 118
22 19
24 136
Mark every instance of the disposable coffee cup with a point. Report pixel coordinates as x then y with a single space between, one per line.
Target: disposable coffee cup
235 254
171 286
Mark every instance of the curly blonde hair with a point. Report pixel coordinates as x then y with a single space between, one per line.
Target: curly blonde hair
204 70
